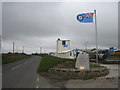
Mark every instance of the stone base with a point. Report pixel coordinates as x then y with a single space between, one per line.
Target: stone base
78 74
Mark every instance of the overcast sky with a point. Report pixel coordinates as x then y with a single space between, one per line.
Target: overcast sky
34 25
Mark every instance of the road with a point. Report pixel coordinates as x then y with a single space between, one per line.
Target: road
109 81
113 69
22 74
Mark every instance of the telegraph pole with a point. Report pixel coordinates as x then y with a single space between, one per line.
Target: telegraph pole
44 52
40 50
17 49
85 45
13 47
23 49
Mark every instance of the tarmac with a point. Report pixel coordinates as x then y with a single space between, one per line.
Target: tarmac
109 81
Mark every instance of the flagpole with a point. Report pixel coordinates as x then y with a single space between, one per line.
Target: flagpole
96 37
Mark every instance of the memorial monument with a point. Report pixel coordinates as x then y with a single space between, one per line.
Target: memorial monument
82 62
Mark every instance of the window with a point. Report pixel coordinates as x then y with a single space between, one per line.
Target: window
63 42
70 53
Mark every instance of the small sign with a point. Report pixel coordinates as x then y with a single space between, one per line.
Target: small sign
82 68
65 46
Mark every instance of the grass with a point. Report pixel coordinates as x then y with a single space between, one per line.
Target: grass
50 61
9 58
94 65
116 57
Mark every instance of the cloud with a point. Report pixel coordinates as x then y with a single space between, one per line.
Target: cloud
37 25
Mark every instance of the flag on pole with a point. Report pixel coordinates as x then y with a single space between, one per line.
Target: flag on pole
85 17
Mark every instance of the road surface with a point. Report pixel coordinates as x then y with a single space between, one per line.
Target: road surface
22 74
108 81
113 69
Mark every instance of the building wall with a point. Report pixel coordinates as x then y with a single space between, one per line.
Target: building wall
61 46
68 55
65 55
63 50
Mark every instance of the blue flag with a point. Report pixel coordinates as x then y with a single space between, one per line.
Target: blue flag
85 17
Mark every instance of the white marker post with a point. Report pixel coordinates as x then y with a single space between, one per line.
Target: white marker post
96 37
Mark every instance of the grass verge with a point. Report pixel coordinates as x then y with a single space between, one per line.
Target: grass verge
117 57
50 61
94 65
8 58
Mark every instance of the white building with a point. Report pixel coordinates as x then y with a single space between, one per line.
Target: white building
63 45
64 51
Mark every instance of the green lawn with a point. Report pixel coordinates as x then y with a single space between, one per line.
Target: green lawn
94 65
8 58
117 57
50 61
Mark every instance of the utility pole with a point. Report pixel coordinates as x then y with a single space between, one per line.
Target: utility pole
23 49
17 49
44 52
0 43
86 45
40 50
13 47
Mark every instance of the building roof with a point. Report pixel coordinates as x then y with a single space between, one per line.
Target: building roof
70 50
62 40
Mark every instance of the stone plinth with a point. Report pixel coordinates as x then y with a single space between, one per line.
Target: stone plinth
82 62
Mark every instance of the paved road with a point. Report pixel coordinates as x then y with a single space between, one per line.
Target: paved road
109 81
93 83
22 74
113 69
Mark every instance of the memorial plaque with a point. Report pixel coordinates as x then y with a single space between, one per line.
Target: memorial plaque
82 62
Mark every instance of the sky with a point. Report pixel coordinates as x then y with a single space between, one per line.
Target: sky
40 24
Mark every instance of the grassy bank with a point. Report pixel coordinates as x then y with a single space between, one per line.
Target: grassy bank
50 61
117 57
8 58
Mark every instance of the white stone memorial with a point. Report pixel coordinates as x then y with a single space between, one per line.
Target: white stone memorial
82 62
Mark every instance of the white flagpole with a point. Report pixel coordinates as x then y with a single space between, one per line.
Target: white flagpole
96 37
